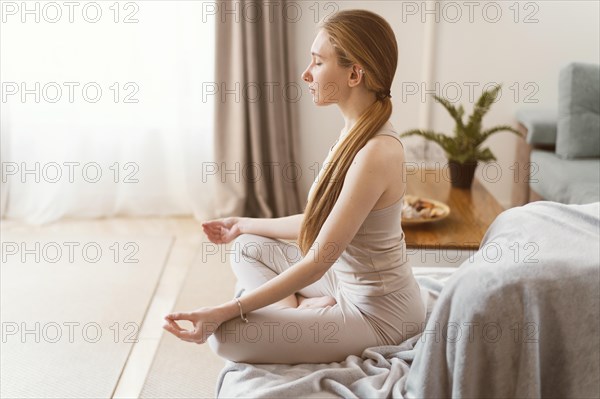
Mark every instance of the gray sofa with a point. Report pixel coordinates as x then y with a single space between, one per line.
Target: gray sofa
564 145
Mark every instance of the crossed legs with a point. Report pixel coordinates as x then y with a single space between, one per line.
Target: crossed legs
257 259
319 329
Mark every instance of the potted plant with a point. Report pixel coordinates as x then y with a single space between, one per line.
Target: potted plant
464 149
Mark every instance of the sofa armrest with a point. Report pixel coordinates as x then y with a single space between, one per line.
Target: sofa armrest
541 126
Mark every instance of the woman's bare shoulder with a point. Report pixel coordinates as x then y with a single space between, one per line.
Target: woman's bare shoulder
382 154
386 145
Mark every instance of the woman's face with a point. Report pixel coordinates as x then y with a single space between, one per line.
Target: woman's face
326 80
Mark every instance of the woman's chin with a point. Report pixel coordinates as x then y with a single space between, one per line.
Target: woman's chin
318 102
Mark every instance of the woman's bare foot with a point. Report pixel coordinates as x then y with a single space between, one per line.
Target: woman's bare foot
315 302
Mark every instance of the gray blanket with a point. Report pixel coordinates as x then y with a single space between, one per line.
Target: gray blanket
379 372
518 319
523 317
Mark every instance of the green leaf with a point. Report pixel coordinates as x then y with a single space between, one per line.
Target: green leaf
447 143
456 114
485 155
482 106
487 133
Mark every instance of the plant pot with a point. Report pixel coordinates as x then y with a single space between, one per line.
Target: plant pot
461 174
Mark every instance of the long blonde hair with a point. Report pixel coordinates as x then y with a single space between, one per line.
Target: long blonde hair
365 38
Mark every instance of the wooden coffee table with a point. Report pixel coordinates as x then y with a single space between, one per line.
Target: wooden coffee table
471 212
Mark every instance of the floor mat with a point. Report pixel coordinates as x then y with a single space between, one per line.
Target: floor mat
71 307
185 370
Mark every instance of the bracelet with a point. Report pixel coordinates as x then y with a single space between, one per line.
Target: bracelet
241 311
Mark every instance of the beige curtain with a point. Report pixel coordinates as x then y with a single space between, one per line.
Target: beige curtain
256 134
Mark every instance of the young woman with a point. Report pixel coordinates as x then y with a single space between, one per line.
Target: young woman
347 285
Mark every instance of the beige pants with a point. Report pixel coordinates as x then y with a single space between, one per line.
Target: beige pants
277 334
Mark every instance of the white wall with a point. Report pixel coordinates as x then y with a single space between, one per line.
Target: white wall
525 57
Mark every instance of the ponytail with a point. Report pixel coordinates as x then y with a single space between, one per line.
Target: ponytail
329 187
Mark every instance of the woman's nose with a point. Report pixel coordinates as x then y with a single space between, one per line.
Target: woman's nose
306 76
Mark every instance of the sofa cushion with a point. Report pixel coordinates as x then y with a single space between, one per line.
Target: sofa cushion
569 181
540 125
578 130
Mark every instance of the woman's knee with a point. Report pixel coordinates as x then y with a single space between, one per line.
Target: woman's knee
249 246
255 248
251 342
225 341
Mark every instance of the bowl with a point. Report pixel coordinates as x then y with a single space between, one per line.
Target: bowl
419 210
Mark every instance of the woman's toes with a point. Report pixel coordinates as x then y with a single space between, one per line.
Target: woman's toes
330 301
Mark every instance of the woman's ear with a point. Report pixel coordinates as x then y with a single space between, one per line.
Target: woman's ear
356 76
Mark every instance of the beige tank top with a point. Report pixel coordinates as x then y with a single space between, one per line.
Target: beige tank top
374 263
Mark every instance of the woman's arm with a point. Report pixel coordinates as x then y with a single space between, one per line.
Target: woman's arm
364 184
223 231
287 227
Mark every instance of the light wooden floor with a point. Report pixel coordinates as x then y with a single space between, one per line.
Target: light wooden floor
188 236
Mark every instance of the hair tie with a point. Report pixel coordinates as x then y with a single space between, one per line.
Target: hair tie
382 95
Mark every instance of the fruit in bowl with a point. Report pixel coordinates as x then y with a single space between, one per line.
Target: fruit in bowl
420 210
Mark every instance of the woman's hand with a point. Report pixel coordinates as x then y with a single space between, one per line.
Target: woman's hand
205 320
222 231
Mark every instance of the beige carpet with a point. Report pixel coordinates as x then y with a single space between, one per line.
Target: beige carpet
181 369
69 321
